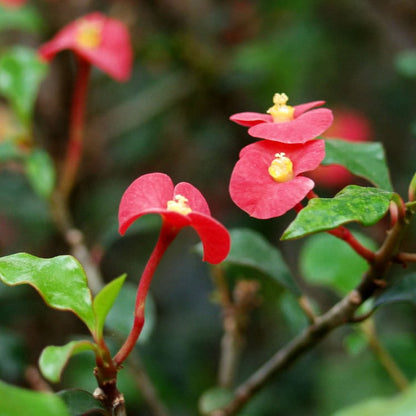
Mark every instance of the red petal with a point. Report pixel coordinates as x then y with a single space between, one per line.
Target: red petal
251 119
306 127
147 194
214 236
302 108
113 55
195 199
254 191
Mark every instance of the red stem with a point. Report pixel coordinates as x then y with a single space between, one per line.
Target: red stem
76 132
167 235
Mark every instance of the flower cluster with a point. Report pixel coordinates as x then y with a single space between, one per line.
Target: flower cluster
266 181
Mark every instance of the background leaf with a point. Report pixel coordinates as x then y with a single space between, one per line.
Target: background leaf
366 160
251 250
16 401
354 203
103 302
25 18
54 358
81 402
40 172
214 398
328 261
61 281
402 291
21 72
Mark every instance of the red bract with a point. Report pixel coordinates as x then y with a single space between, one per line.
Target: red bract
12 4
180 206
98 39
287 124
265 182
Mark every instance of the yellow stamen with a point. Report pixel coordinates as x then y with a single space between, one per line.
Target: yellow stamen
281 168
89 34
179 204
280 111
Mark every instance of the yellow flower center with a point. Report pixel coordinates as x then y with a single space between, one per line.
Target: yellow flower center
179 204
281 169
280 111
89 34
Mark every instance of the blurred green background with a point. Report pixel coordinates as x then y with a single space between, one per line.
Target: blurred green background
196 63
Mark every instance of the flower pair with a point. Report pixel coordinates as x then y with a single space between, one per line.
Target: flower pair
266 181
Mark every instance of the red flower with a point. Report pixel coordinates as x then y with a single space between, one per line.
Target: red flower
12 4
179 207
98 39
348 125
265 181
287 124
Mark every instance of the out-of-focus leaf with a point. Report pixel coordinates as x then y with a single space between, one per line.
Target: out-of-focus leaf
214 398
40 172
355 342
14 355
9 151
103 302
25 18
16 401
120 318
402 291
61 281
329 261
405 63
366 160
402 405
21 72
54 358
364 205
251 250
81 402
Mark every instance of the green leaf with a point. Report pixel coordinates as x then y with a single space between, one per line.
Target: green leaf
366 160
15 401
21 72
402 291
329 261
120 318
405 63
9 151
250 249
61 281
103 302
41 172
402 405
213 399
81 402
25 18
54 359
364 205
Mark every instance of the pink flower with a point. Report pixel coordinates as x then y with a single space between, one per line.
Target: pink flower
266 181
348 125
98 39
179 206
287 124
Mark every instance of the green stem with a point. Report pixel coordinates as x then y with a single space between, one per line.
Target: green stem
167 235
76 133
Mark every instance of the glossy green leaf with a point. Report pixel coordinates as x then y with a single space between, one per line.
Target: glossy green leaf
402 291
16 401
40 172
250 249
366 160
364 205
403 404
104 301
25 18
61 281
328 261
54 358
21 72
213 399
81 402
120 317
